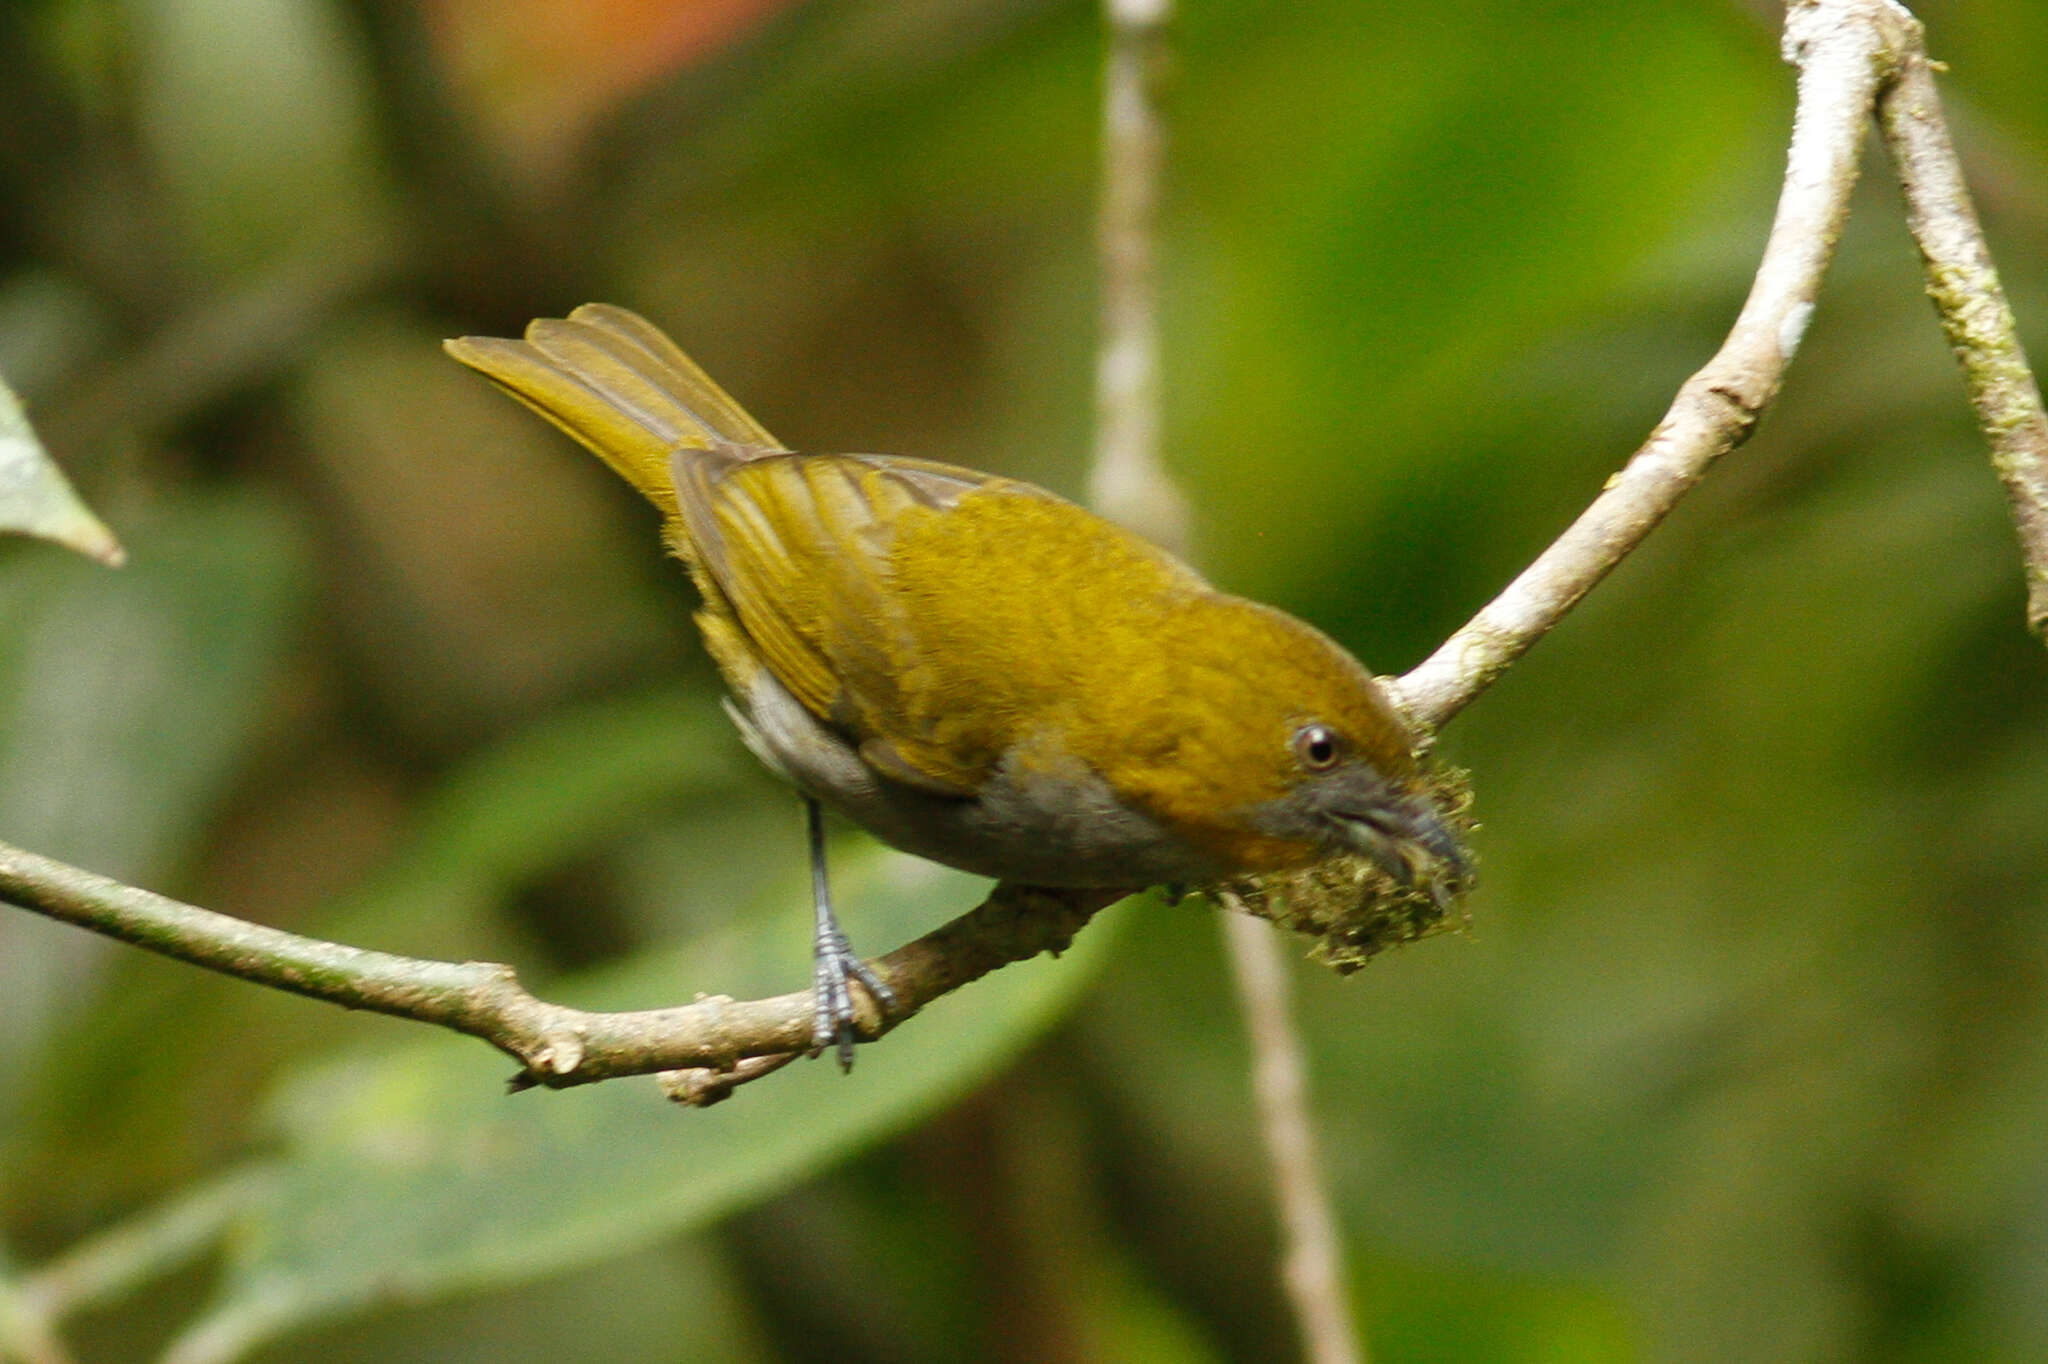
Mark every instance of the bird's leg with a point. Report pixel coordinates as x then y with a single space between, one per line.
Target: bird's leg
833 963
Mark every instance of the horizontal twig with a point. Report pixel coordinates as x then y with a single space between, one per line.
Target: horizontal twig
555 1045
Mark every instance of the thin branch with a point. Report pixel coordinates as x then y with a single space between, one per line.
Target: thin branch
1130 484
1312 1263
703 1086
1973 308
1845 51
555 1046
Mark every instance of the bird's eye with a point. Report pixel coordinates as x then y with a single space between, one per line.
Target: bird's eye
1317 747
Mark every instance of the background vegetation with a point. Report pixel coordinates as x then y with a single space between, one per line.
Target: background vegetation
1746 1055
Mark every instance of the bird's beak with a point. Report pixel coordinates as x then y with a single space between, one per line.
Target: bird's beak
1410 843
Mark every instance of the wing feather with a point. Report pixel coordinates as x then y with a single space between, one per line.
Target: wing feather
801 546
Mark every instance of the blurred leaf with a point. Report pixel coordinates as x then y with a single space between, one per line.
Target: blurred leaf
127 699
1352 293
415 1175
488 567
258 113
51 324
1474 1316
126 703
675 1301
35 497
539 799
537 74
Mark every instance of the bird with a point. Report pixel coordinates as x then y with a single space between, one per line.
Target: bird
977 670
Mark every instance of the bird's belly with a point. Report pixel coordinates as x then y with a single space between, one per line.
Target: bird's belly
1058 828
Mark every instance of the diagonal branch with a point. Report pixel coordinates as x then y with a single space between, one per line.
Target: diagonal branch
1845 51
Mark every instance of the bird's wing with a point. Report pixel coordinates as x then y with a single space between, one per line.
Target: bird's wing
802 546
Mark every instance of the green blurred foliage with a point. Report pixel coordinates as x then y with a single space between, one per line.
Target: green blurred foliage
1746 1055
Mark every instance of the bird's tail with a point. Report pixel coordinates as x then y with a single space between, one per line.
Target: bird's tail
615 382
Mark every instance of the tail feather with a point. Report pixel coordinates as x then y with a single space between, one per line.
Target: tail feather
618 373
710 404
612 381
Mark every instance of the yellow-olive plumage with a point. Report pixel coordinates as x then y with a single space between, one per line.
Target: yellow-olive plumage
979 671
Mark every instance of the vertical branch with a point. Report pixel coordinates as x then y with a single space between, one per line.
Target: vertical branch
1974 312
1312 1259
1130 484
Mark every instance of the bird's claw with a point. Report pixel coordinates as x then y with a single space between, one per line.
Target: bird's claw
834 969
